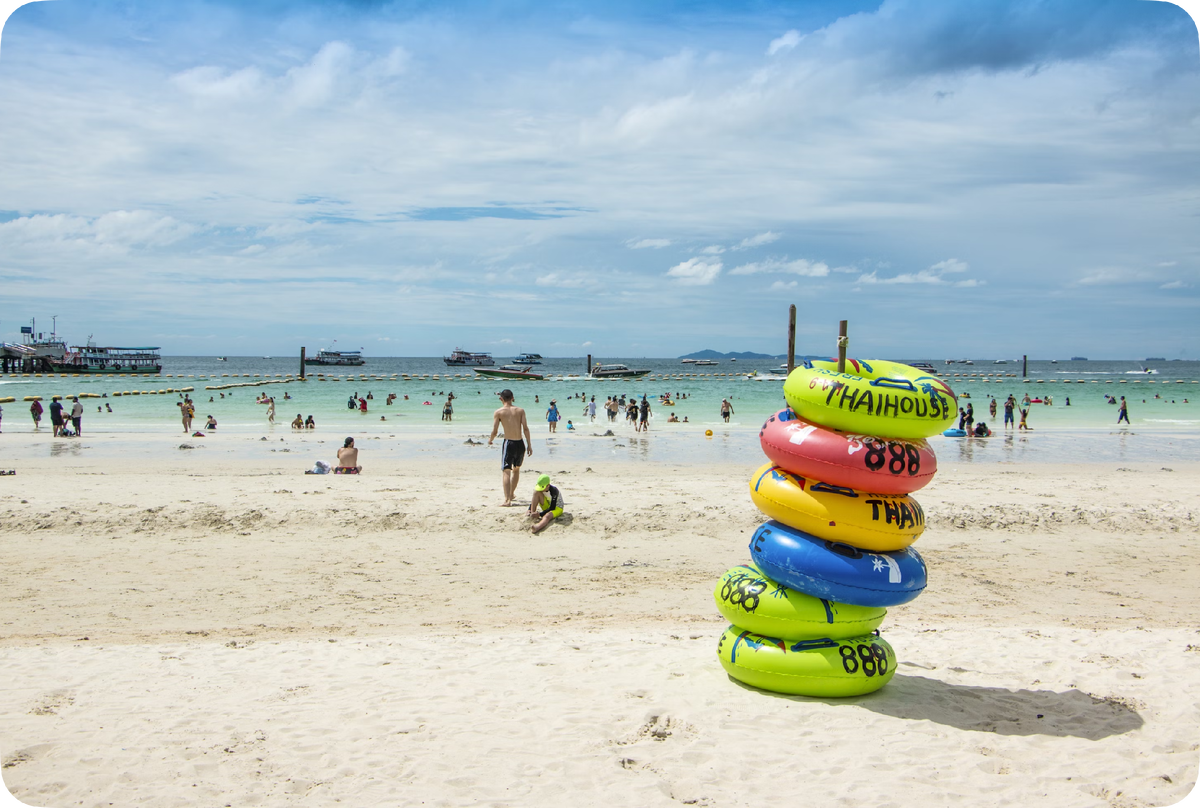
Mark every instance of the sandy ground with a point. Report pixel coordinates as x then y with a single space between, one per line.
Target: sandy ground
192 629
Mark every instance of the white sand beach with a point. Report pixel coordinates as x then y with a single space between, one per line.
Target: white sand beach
194 629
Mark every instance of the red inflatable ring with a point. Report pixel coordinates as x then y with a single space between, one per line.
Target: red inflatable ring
863 462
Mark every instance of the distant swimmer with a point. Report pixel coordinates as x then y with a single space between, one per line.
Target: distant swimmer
517 443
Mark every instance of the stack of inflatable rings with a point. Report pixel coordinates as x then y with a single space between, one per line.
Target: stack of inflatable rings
844 456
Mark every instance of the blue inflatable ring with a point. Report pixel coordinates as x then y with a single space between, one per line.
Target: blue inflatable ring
836 571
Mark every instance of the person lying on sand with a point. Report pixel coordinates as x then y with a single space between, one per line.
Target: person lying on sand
348 459
547 504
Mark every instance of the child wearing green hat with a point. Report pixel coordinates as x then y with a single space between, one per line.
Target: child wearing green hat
547 503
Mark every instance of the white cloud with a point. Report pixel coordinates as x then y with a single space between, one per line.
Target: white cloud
931 276
781 285
950 265
787 41
696 271
757 241
563 281
798 267
1174 285
587 344
1107 276
651 243
119 230
715 249
208 81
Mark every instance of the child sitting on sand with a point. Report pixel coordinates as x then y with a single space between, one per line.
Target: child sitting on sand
547 503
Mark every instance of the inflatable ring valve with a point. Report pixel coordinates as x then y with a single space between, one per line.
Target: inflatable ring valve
818 667
873 397
752 601
868 521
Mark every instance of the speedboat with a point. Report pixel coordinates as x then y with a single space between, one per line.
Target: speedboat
510 372
615 371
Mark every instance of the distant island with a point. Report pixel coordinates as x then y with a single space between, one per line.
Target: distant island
710 354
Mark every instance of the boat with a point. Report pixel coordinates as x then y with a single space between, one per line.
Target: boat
528 359
461 358
510 372
328 356
1000 362
688 362
222 358
1079 359
1145 371
1054 361
1156 359
925 366
94 359
706 362
615 371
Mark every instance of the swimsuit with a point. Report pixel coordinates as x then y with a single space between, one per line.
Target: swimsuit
512 454
556 503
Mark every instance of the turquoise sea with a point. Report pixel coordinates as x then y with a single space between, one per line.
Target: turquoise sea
1163 408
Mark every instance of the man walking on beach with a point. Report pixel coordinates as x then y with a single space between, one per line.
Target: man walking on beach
517 443
1123 413
643 424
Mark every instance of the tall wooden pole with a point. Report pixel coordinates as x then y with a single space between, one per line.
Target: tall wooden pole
1024 366
791 338
302 363
843 343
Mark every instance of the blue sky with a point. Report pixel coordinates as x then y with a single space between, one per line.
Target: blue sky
626 179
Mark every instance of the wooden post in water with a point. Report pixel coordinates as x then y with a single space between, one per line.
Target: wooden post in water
843 343
302 362
1024 365
589 370
791 338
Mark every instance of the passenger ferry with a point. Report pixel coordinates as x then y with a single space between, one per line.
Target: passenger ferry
528 359
461 358
332 357
92 359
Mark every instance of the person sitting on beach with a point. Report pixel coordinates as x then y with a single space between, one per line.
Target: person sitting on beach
211 423
981 430
547 504
299 422
347 459
570 426
309 423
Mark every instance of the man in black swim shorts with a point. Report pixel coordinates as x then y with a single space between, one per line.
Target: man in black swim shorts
517 443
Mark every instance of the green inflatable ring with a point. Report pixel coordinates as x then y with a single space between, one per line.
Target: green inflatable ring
751 600
823 668
875 398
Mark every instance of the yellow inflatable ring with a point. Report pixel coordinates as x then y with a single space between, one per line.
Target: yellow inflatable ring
879 522
882 399
751 600
822 667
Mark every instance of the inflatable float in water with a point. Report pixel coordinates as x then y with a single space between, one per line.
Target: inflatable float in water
866 520
818 667
751 600
836 571
871 398
846 459
955 433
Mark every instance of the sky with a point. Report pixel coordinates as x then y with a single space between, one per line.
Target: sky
987 179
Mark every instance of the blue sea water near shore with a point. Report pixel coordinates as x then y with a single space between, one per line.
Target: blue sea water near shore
1162 425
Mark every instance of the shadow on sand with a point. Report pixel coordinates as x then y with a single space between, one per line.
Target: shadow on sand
1069 714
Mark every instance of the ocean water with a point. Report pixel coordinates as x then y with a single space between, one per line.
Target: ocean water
1163 408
